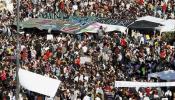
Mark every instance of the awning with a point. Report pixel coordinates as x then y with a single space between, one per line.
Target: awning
143 24
151 19
169 26
164 75
53 24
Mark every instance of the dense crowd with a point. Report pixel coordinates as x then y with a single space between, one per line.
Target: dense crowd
120 9
114 57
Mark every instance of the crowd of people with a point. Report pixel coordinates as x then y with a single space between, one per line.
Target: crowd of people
117 9
113 57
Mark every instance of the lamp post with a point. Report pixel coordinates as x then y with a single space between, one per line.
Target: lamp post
17 54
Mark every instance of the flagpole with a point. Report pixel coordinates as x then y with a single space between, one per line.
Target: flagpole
17 54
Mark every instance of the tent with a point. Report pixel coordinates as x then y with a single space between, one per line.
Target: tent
169 26
147 22
164 75
93 28
144 25
151 19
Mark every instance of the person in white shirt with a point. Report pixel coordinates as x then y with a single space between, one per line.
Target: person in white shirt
87 97
168 94
142 40
84 49
146 98
49 98
97 98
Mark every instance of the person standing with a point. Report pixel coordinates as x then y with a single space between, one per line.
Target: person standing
100 33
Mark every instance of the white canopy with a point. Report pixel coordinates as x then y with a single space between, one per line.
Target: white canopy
93 28
169 26
151 19
164 75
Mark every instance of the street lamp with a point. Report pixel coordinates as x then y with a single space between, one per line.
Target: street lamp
17 54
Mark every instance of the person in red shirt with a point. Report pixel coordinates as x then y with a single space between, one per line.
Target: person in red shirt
123 42
148 90
61 5
162 54
141 2
24 54
164 7
47 55
77 61
3 75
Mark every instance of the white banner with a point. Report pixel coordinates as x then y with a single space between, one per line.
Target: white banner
49 37
93 28
143 84
84 60
38 83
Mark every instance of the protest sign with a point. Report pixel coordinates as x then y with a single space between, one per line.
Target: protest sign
38 83
85 59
